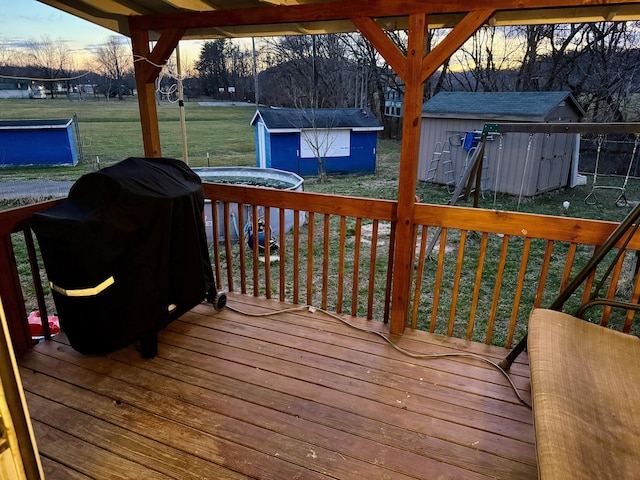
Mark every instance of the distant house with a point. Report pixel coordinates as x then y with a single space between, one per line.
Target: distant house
393 103
516 163
20 89
291 139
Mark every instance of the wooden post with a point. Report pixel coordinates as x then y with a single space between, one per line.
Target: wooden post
147 66
417 68
411 124
145 84
11 294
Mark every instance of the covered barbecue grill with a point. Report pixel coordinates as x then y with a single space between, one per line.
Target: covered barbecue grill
126 253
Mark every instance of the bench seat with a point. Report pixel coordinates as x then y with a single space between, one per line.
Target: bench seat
585 385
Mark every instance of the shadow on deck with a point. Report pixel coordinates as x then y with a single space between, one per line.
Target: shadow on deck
292 395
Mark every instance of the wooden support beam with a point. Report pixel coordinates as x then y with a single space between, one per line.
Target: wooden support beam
147 66
574 127
383 44
454 40
414 69
411 123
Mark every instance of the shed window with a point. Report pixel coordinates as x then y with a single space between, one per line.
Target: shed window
324 142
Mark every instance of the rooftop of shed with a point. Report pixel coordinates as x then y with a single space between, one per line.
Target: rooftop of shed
498 104
302 118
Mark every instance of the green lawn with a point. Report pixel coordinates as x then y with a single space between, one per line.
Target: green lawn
111 131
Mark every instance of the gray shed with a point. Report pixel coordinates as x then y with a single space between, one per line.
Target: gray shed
514 163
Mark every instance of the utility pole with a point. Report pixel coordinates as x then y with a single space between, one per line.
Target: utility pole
255 70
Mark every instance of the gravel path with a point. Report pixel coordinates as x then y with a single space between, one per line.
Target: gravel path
10 189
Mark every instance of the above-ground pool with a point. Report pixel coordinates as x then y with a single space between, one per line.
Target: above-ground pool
259 177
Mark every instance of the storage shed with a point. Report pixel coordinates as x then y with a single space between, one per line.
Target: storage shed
37 142
291 139
514 163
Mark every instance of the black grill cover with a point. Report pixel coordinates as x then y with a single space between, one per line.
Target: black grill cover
138 225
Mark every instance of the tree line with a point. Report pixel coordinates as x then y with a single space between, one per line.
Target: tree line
597 62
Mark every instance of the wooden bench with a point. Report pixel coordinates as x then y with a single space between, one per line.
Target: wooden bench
585 384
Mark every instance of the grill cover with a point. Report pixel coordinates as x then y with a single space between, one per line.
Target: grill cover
128 242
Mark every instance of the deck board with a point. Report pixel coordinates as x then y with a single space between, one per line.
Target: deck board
293 395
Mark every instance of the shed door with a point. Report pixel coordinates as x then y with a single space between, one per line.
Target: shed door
555 161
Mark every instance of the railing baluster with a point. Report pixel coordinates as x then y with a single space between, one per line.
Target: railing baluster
296 256
254 250
588 283
267 252
243 248
477 284
438 283
343 239
325 261
526 248
542 279
283 255
216 246
372 268
37 283
387 291
628 321
568 265
611 292
456 281
310 252
356 267
419 276
497 288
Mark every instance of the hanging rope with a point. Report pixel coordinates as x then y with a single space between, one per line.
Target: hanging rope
621 201
591 198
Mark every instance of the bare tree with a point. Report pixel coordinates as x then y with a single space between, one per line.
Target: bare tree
6 53
307 71
51 58
318 135
609 72
485 57
114 60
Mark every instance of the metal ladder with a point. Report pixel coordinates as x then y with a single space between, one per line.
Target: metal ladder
438 151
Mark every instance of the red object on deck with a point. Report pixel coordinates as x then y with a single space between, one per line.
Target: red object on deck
35 324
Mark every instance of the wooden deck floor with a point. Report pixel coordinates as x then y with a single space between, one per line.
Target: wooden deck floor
295 395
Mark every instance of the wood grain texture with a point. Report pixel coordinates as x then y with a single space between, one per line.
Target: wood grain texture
292 395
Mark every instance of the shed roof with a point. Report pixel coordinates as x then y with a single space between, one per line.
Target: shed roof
498 104
296 119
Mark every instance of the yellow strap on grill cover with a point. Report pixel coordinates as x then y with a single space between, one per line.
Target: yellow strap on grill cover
84 292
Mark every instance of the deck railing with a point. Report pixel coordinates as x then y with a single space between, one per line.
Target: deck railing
494 268
338 253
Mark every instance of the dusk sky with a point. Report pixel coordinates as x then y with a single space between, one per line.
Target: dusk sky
29 20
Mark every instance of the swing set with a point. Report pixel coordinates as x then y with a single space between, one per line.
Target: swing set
621 200
470 181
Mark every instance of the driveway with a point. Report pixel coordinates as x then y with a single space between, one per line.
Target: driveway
10 189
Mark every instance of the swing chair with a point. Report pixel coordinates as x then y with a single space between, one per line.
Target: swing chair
621 200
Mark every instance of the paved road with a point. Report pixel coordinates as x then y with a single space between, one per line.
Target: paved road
10 189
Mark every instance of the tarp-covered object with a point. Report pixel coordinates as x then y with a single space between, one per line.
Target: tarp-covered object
125 247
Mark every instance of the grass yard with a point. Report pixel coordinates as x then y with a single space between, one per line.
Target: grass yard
111 132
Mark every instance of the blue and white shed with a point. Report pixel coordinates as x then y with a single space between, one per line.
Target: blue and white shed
291 139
